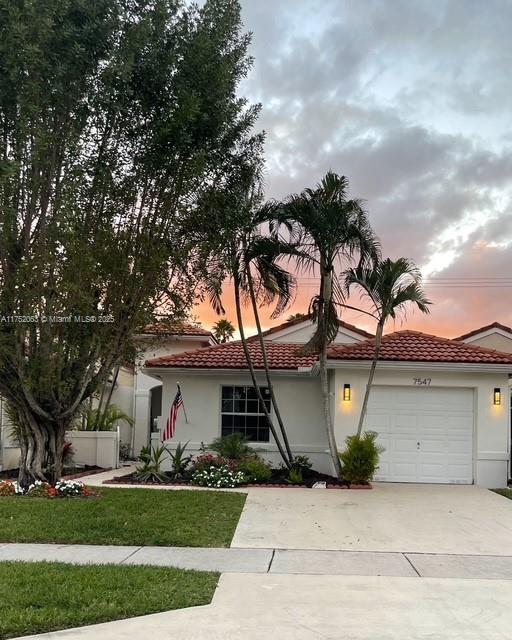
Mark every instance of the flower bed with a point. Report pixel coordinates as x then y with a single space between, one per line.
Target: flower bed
277 480
38 489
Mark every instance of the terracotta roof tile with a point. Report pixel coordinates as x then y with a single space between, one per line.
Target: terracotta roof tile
231 356
493 325
178 329
419 347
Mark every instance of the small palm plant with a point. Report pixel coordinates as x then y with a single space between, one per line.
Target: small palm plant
151 468
390 286
180 461
107 419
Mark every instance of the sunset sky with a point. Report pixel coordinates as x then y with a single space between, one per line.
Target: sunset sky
411 100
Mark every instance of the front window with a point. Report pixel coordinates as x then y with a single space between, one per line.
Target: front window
242 412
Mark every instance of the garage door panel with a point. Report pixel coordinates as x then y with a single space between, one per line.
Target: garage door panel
404 470
427 433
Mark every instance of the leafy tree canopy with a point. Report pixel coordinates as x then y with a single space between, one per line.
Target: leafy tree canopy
115 115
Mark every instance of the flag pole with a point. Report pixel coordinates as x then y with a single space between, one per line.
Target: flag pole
183 401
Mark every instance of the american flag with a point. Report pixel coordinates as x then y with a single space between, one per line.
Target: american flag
170 425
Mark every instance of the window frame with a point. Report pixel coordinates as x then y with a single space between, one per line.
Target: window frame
221 412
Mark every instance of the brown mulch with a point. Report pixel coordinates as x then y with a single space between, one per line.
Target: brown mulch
278 480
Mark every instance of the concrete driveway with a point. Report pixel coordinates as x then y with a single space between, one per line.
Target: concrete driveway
405 518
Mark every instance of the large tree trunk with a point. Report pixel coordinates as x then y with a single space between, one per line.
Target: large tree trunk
364 408
267 369
253 374
42 444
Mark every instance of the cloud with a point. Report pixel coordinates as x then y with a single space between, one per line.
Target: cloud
411 100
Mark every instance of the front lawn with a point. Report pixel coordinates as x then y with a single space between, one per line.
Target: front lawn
507 493
124 516
46 596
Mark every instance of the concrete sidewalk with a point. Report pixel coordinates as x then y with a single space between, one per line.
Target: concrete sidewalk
274 561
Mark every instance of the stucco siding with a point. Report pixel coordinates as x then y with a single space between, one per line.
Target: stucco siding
492 341
299 402
301 334
491 428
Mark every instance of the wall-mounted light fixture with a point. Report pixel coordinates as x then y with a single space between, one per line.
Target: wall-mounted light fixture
497 395
346 392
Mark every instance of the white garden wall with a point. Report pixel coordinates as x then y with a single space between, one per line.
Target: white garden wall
95 448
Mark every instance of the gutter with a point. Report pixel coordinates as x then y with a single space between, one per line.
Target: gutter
156 372
407 365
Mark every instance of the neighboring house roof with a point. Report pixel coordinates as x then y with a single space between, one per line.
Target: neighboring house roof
281 356
414 346
297 321
178 329
488 327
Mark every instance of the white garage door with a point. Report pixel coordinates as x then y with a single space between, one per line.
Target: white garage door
427 433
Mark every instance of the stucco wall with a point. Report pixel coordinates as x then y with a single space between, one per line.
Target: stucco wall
491 434
299 401
302 333
492 341
122 397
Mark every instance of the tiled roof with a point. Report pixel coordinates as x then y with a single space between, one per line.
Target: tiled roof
292 323
419 347
231 356
493 325
177 329
411 346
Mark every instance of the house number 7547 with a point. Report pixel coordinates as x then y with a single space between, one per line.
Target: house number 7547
422 382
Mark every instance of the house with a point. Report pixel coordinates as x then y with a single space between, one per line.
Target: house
439 405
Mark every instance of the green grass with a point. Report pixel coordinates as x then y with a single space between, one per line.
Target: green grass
125 516
507 493
46 596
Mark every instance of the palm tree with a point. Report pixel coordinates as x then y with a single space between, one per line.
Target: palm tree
390 286
223 330
330 230
250 260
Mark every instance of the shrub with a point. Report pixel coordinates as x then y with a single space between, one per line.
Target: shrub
360 460
125 451
67 454
302 464
151 468
295 476
71 489
179 460
218 477
7 488
40 489
207 460
255 469
233 447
